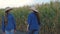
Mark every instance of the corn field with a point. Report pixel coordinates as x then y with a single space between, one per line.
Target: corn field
49 17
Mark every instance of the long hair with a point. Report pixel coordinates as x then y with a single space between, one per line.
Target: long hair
38 16
6 18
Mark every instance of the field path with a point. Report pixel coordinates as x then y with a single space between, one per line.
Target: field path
18 32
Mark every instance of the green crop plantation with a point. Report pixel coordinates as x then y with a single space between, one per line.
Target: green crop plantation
49 17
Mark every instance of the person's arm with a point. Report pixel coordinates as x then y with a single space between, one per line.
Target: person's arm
27 27
3 26
28 21
14 22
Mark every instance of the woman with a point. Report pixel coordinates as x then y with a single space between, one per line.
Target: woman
8 22
33 22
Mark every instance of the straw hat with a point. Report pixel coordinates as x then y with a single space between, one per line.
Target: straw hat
8 8
34 9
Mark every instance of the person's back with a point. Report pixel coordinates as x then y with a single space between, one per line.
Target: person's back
33 22
8 22
10 25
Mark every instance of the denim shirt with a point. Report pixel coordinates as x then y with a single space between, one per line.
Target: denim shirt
32 21
11 23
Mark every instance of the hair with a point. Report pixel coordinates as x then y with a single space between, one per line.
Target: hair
7 11
5 18
38 16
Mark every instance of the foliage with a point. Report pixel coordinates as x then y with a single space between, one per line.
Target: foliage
49 15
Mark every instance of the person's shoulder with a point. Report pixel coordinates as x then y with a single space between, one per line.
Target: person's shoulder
11 14
30 14
2 16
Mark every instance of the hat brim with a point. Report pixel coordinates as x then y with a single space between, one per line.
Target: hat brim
8 9
33 9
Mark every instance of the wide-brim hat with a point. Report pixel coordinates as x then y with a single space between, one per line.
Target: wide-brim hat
8 8
34 9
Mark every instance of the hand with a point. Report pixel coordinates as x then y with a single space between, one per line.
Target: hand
3 32
27 29
14 30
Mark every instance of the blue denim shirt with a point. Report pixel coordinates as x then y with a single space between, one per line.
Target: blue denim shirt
32 21
11 23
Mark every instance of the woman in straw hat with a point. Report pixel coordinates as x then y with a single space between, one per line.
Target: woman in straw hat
8 22
33 21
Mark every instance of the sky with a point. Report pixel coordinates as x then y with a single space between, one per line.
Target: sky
20 3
